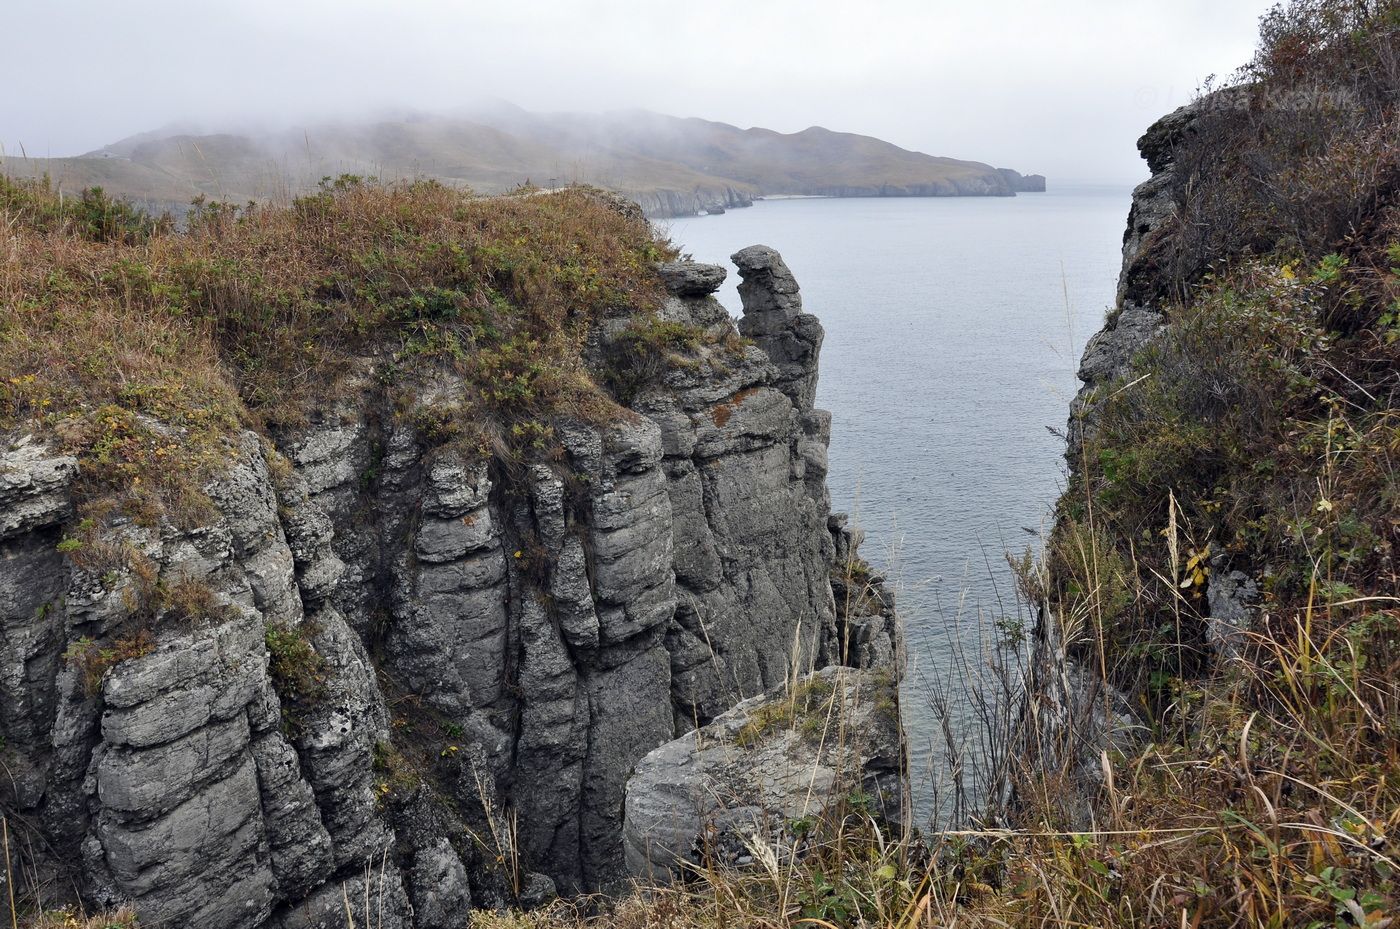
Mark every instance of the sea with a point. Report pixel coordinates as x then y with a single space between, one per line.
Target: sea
954 328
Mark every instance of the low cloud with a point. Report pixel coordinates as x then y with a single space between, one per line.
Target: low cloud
1063 89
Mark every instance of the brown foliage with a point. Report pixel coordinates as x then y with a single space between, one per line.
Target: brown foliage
143 349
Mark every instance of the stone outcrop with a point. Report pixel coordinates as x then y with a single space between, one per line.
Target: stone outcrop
773 318
667 202
691 279
715 794
1233 600
1137 313
405 676
1023 183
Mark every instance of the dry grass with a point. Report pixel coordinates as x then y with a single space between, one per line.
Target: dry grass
94 660
69 918
142 349
1279 806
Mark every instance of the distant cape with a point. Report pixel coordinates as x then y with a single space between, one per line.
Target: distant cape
671 166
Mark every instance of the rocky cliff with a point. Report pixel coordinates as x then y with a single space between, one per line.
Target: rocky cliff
1023 183
1137 309
673 202
1208 506
386 672
1224 551
1002 182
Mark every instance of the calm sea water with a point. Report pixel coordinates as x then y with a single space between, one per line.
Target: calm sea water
953 330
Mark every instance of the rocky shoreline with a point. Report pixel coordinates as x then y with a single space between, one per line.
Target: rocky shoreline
674 204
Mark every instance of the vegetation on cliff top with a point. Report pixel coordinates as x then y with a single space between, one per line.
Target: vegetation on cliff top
142 348
1260 433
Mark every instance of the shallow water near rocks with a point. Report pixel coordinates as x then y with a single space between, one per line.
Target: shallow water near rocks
953 330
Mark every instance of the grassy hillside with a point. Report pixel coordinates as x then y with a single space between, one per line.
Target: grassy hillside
145 187
641 154
138 346
1259 433
772 162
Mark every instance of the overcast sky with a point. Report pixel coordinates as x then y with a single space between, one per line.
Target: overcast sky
1062 88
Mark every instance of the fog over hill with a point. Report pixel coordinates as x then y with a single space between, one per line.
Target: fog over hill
671 166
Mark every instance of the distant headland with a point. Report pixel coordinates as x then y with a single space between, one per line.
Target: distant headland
671 166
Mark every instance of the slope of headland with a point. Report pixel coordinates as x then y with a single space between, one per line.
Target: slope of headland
670 166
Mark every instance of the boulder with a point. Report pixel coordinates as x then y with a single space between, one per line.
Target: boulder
691 278
772 761
1233 597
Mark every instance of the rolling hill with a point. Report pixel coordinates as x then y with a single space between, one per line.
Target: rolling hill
671 166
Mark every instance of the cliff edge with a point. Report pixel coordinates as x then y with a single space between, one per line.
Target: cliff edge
266 647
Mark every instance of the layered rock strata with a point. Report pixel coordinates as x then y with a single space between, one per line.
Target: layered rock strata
412 678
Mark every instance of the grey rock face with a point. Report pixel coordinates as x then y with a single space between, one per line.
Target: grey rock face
170 784
773 759
374 897
665 202
1136 317
33 486
1232 597
539 889
867 628
297 838
691 278
1155 225
488 643
1109 351
439 888
773 318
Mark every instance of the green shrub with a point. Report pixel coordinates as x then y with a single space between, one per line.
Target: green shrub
298 671
641 354
1247 429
